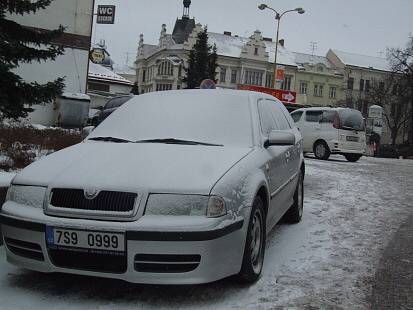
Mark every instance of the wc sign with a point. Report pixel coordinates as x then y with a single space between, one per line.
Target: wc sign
106 14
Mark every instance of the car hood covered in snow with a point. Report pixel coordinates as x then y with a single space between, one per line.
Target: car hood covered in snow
164 168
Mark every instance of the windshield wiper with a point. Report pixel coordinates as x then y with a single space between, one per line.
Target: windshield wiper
110 139
177 141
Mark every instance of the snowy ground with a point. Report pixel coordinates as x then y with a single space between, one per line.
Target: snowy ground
327 261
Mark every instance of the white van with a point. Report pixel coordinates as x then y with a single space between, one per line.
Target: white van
332 131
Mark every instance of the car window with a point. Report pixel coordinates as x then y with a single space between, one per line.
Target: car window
313 116
351 119
278 115
120 101
296 116
267 122
328 116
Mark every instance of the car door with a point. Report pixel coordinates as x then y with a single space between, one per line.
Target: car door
275 159
311 128
291 161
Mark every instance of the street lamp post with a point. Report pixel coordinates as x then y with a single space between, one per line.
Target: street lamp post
278 18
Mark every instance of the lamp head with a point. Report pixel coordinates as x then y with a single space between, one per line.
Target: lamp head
300 10
262 6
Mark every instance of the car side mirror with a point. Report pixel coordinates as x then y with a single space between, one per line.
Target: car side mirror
280 137
86 131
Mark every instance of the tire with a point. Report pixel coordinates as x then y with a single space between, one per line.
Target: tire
253 258
321 150
295 213
352 157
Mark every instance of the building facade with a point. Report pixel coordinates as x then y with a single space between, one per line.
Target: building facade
241 62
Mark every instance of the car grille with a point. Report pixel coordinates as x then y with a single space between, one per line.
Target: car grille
104 201
83 260
166 263
24 249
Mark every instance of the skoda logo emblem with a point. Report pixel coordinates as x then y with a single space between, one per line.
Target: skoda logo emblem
91 193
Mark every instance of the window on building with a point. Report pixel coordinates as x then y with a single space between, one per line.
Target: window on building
361 85
144 76
222 76
234 76
333 92
162 87
253 77
268 79
318 90
303 87
286 83
180 71
367 86
256 51
350 83
165 68
99 87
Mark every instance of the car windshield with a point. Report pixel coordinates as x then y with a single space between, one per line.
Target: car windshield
207 117
351 119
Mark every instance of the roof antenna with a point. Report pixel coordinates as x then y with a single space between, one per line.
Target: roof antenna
313 48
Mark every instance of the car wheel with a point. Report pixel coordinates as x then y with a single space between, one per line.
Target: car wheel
295 213
352 157
254 249
321 150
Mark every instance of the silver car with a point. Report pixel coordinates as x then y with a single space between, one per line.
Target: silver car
176 187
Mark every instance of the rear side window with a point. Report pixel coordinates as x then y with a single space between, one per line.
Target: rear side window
296 116
328 116
351 119
313 116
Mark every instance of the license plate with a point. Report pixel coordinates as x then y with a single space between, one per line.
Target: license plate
83 239
352 139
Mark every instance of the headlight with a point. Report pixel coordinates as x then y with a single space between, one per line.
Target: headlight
196 205
32 196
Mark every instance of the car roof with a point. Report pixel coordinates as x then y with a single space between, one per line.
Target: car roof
241 94
322 109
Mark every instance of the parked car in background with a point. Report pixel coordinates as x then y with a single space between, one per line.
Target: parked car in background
109 108
328 131
185 189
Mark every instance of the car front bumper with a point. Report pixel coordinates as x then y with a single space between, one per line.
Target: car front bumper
202 256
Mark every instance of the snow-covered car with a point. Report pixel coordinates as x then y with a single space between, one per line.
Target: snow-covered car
329 131
175 187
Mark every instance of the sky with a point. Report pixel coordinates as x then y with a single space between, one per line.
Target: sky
360 26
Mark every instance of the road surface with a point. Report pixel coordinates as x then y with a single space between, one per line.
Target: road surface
336 258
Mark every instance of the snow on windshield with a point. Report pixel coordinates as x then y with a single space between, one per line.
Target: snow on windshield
211 116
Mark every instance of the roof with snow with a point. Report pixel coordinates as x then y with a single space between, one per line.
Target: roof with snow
301 59
231 46
101 73
363 61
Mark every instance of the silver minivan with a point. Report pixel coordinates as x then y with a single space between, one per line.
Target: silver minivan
327 131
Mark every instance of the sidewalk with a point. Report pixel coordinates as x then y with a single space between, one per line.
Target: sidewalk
393 285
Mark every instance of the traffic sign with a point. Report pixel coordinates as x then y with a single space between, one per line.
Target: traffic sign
106 14
280 74
286 96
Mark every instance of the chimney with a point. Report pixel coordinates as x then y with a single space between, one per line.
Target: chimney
267 39
281 42
227 33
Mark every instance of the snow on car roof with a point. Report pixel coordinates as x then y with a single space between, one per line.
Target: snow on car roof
364 61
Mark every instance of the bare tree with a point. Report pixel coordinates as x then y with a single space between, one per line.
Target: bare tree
401 61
